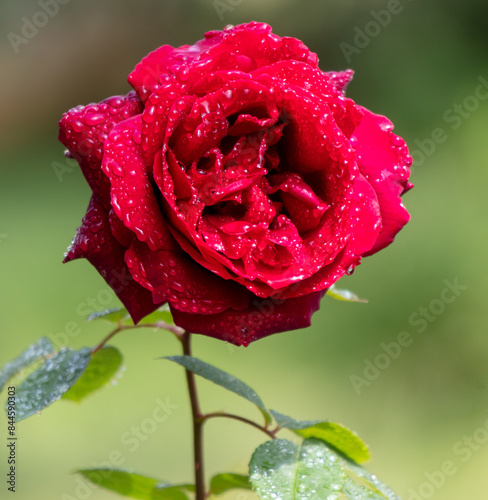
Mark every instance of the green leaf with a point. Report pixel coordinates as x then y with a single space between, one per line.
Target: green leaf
50 381
102 367
221 378
119 316
282 469
43 347
345 295
163 314
341 438
221 483
134 485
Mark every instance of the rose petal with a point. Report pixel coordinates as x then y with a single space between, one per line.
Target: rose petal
341 79
210 82
317 83
188 287
132 194
304 206
249 46
384 161
84 130
95 242
154 70
359 234
262 318
167 106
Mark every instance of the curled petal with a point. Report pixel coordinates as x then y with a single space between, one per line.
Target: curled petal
341 79
157 67
359 233
250 46
384 161
84 130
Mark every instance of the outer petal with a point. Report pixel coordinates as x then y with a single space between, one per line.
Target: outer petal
95 242
154 70
384 161
84 130
341 79
262 318
250 46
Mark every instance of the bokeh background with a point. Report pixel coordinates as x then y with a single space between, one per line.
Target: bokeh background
425 66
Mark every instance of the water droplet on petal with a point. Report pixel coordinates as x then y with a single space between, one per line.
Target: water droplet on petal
177 286
93 119
78 126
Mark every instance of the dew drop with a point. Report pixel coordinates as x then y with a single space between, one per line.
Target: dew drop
177 286
78 126
149 115
117 169
93 119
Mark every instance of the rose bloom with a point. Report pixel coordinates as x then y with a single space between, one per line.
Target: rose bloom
236 183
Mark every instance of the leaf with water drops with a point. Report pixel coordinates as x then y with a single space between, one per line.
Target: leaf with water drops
336 435
103 367
340 438
221 483
221 378
133 485
119 316
50 381
43 347
345 295
282 469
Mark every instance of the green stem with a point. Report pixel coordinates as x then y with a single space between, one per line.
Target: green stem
197 423
106 339
175 330
223 414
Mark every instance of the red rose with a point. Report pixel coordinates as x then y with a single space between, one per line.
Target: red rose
237 183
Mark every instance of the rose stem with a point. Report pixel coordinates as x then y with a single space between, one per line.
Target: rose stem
160 324
197 423
268 432
106 339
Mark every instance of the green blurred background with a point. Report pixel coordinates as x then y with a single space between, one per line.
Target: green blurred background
420 65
